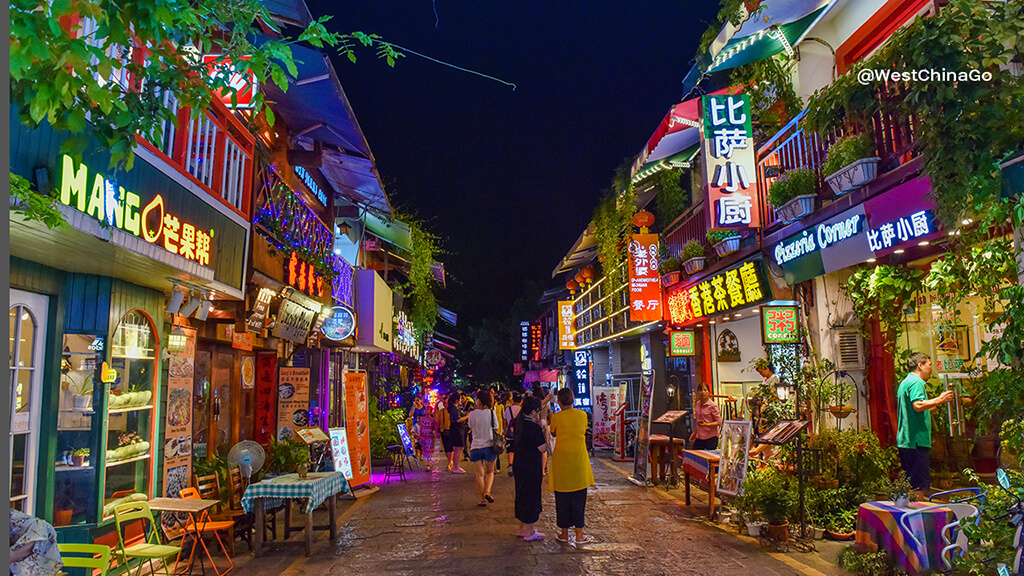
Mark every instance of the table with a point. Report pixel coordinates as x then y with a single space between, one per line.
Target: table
703 464
878 527
193 506
314 489
659 447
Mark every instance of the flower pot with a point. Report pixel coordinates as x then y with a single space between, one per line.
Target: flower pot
670 278
903 501
694 265
839 536
62 517
81 402
795 209
853 176
77 460
754 528
813 532
779 532
727 246
840 412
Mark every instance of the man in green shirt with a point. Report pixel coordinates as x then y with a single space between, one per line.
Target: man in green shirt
914 434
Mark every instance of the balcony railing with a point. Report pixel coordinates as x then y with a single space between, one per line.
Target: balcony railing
693 226
214 149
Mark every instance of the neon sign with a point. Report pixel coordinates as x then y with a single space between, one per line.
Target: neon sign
682 343
302 275
728 290
824 235
566 331
890 234
728 151
107 202
307 179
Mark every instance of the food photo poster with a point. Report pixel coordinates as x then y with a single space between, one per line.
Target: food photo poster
177 451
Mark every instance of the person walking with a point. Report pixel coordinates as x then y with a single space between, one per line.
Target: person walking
914 424
531 450
456 434
707 418
498 407
570 473
483 424
508 415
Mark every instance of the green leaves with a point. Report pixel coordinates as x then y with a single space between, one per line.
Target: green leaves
41 207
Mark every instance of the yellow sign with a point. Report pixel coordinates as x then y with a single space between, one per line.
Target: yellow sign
566 331
119 208
107 374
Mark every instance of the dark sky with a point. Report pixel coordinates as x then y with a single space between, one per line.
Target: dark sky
511 178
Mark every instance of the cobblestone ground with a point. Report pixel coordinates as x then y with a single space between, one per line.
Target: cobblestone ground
431 524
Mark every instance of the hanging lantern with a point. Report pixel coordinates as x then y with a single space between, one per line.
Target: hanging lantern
579 278
572 285
176 341
643 219
588 274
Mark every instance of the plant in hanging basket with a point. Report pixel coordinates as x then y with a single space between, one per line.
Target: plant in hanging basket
850 163
792 194
670 271
692 256
724 241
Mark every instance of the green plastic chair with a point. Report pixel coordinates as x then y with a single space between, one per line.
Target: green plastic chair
149 550
87 558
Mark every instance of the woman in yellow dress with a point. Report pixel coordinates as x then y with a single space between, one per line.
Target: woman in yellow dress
570 473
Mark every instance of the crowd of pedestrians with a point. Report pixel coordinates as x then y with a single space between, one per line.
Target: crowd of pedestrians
540 438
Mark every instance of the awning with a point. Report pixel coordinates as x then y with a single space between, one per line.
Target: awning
292 12
781 26
394 232
582 251
356 179
541 376
677 160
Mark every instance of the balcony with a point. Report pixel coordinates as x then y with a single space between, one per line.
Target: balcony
214 150
794 147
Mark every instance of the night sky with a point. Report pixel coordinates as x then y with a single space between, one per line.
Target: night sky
511 178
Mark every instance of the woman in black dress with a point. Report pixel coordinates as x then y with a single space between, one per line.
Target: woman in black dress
457 432
531 453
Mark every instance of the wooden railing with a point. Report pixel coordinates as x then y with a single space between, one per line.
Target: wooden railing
214 149
792 147
693 226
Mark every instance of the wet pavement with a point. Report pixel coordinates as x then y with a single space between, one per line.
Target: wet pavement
431 524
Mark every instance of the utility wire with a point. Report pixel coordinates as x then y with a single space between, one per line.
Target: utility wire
443 63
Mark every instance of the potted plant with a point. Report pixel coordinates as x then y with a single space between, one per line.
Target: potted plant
692 256
900 490
841 525
777 505
724 241
670 271
63 507
792 194
81 393
78 456
838 395
850 163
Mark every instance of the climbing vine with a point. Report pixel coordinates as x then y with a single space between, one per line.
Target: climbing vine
422 285
612 222
672 199
881 293
773 101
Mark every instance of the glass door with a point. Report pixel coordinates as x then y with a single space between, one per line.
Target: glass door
27 334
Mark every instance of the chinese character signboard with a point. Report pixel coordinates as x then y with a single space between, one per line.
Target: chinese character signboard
644 280
303 276
535 337
779 325
606 402
581 379
901 218
682 343
524 335
727 147
566 332
266 395
731 289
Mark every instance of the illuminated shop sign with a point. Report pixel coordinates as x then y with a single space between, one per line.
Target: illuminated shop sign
302 276
819 238
535 335
524 337
405 335
779 325
738 287
644 280
107 202
307 179
728 150
581 378
902 230
682 343
566 331
339 326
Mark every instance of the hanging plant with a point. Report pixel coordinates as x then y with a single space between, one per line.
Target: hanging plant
773 100
612 222
881 293
672 200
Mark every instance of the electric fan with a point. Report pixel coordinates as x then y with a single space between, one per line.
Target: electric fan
248 456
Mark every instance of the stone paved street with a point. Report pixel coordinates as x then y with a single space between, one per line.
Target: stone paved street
432 525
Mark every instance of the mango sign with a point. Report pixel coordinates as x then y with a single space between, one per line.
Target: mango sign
120 208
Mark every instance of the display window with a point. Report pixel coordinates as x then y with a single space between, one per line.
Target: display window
26 341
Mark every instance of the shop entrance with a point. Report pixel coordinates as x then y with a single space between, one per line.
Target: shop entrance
28 332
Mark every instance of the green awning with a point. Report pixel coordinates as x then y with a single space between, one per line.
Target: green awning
395 232
680 159
764 44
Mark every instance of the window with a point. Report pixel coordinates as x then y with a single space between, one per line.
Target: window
26 341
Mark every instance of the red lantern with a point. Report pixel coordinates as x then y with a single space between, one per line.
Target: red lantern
643 219
572 285
588 274
579 278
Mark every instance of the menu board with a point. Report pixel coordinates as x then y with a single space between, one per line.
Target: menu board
292 402
357 423
339 452
266 392
403 433
643 429
671 416
732 468
177 450
606 401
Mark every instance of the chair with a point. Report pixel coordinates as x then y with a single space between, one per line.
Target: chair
84 556
209 526
149 549
960 511
396 463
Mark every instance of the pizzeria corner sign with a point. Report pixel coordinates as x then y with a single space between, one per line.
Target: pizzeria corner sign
107 202
727 144
888 223
731 289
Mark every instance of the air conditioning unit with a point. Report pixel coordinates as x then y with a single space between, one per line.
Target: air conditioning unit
849 349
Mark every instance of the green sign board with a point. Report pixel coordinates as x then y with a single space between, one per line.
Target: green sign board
682 343
779 325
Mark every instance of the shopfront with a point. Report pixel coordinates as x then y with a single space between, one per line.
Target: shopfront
90 326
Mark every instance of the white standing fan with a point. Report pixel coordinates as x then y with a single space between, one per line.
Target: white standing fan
248 456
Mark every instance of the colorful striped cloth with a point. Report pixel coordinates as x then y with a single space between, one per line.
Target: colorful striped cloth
698 462
315 489
878 528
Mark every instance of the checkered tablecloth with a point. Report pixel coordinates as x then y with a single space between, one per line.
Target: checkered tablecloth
315 488
698 462
878 528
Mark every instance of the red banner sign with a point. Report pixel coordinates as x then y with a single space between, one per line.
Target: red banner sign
266 397
644 281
